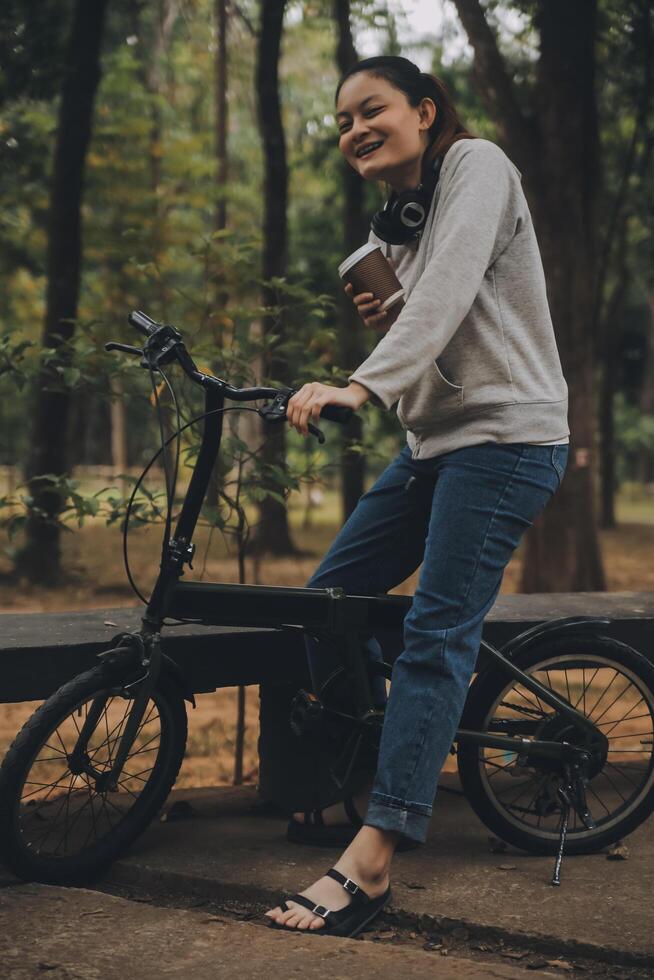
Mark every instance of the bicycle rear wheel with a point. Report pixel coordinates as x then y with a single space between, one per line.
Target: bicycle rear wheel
63 827
613 686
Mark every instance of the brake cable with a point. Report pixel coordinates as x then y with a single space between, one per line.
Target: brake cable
137 485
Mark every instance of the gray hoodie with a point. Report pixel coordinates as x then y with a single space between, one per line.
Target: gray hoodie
472 356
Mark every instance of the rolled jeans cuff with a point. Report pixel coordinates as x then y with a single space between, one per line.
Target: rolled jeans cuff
387 813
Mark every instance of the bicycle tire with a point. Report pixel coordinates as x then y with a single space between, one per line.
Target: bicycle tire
19 813
489 698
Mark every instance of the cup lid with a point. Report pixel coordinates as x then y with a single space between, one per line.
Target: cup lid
356 257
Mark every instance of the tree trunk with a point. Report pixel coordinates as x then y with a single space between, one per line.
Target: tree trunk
219 297
559 157
272 534
165 17
644 466
40 559
220 112
355 233
609 332
647 395
119 460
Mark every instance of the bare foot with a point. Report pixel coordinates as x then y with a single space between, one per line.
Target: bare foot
337 814
366 861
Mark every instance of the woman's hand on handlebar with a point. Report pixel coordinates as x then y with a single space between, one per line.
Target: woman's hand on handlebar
306 404
367 305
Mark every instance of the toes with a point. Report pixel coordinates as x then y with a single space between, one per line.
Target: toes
299 918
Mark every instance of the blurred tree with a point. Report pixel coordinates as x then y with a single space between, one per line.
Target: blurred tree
355 233
273 533
626 98
220 106
549 128
40 556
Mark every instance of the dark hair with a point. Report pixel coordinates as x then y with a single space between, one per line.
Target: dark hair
447 128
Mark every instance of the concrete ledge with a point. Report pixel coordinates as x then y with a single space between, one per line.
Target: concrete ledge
232 850
77 933
40 651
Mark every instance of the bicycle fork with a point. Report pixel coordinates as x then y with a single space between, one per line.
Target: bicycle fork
78 760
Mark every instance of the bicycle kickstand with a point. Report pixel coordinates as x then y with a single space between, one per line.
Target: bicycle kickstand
572 794
565 816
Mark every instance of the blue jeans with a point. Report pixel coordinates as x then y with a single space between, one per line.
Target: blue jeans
463 520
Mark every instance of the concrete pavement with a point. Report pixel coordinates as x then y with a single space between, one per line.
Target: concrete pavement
193 891
71 933
602 908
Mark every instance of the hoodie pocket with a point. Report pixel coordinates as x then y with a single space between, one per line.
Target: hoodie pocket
446 387
431 399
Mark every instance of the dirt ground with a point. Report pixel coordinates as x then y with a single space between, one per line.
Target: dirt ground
97 579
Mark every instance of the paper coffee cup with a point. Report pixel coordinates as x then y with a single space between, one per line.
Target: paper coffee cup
369 271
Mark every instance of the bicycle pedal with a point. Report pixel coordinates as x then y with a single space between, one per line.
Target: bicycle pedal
307 715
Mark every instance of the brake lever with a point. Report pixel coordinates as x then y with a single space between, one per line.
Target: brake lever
318 433
275 411
124 348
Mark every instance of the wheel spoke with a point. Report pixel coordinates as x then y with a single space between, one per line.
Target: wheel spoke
615 700
590 713
612 694
613 786
633 718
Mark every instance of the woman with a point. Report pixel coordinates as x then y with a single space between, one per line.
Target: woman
472 360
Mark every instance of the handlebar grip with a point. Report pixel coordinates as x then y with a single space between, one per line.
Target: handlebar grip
336 413
142 322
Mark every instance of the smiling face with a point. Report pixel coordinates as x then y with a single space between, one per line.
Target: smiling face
373 113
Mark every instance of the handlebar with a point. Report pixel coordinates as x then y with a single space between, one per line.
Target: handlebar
164 344
142 322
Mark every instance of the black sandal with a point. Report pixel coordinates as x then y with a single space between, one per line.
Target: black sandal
348 921
315 832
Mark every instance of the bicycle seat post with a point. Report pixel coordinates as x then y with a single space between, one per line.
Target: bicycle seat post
343 625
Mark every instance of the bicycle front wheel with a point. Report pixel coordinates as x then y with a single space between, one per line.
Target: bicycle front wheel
65 827
613 686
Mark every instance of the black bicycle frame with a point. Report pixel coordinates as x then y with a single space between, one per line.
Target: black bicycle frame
322 611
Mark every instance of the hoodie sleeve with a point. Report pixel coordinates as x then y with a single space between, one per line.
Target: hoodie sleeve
474 223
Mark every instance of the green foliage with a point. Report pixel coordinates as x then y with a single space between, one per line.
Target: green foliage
634 433
149 225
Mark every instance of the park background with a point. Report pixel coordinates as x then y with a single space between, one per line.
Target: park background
180 157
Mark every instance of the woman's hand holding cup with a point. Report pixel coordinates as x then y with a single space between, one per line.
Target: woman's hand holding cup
366 305
371 283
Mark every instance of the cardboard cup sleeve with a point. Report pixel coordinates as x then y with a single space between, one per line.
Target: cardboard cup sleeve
369 271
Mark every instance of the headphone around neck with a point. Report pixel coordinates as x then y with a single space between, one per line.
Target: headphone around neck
404 216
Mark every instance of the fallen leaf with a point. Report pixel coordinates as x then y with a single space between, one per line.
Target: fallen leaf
414 884
560 964
108 622
507 867
512 954
617 852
